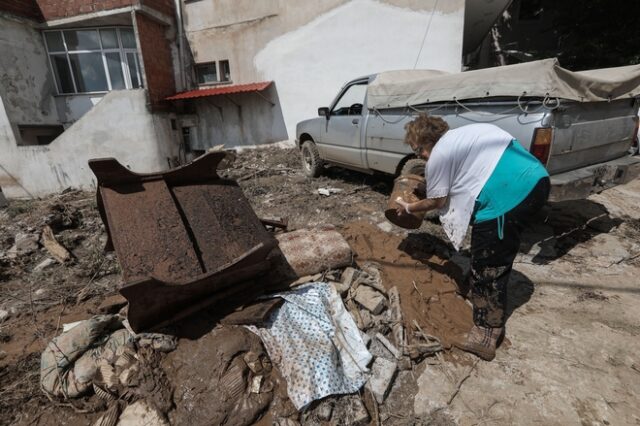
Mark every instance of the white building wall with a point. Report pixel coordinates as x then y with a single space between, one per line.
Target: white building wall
310 49
119 126
240 119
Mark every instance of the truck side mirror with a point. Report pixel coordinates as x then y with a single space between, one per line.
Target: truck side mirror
323 112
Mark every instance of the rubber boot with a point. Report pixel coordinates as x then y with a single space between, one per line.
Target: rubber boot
482 341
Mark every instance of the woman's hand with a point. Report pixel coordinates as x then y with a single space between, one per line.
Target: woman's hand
404 207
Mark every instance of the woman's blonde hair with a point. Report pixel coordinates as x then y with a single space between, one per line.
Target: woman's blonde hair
424 130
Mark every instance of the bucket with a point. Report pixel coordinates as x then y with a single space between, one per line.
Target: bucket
406 187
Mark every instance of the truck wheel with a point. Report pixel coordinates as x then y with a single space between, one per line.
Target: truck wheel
414 166
311 162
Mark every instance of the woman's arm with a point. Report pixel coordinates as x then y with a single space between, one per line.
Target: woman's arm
420 206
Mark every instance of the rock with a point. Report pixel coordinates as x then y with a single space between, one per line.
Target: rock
44 264
3 354
142 413
382 373
434 390
40 293
24 244
324 411
385 226
348 276
370 299
4 315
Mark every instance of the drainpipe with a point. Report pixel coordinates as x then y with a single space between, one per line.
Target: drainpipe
178 4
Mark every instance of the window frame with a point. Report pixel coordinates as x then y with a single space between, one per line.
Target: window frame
218 68
121 50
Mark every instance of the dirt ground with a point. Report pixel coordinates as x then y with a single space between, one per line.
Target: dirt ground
571 353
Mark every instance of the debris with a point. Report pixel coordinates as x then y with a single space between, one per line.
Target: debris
405 363
213 245
58 377
324 411
306 279
396 316
340 287
314 250
328 191
348 276
357 413
370 299
212 379
318 347
68 326
142 413
4 315
109 417
157 341
24 244
382 373
103 393
370 275
367 319
255 384
44 264
55 249
387 344
252 359
129 376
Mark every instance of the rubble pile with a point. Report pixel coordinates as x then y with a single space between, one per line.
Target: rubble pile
215 366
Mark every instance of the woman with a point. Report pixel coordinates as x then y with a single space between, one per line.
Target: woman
480 175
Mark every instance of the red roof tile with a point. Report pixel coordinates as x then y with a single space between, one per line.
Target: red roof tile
221 90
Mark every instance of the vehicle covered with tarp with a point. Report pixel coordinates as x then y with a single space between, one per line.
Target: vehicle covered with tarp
581 125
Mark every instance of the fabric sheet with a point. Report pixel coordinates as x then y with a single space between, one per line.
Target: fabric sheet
316 344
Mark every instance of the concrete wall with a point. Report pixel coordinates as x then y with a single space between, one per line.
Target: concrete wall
26 83
311 48
236 120
119 126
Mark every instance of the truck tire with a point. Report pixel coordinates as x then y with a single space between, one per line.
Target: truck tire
413 166
311 162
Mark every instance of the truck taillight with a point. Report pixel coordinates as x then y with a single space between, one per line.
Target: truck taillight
541 146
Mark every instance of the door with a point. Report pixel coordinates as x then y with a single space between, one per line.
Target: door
341 134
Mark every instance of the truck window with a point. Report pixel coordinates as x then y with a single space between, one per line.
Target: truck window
351 101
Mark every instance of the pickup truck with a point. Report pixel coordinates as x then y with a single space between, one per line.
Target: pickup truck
583 138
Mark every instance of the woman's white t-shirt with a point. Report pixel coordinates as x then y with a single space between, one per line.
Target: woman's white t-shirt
460 164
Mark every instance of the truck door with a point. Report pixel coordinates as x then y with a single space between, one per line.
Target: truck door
340 138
